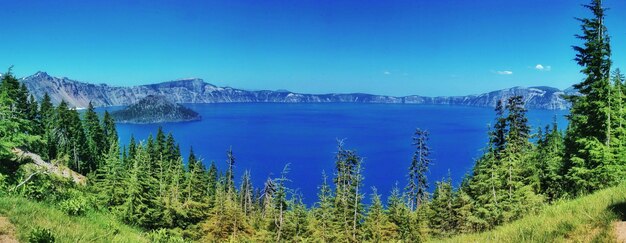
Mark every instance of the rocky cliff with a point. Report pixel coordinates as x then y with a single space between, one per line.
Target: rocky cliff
79 94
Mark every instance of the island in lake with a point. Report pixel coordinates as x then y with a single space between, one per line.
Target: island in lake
155 109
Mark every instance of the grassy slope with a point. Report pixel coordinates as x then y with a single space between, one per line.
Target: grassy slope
94 227
586 219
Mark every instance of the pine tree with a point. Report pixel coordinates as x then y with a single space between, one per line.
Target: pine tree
409 226
141 195
34 116
195 188
377 226
269 189
47 113
15 129
246 193
160 151
108 127
549 158
132 147
485 189
230 171
499 130
463 207
442 212
348 198
589 133
211 181
297 226
110 177
418 183
78 146
95 138
279 201
22 101
226 222
324 214
171 148
174 211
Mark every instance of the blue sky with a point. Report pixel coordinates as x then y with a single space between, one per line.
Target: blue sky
445 47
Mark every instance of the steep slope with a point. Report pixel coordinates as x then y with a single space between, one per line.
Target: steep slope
587 219
79 94
155 109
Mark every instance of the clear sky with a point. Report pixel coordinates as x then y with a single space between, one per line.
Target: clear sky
442 47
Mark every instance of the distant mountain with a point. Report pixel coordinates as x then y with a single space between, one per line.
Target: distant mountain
155 109
79 94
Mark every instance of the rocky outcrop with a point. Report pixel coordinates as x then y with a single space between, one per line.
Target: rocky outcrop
79 94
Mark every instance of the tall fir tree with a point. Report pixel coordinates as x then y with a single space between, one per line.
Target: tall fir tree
588 135
95 138
417 187
348 197
141 195
230 171
109 129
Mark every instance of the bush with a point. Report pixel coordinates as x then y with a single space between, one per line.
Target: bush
3 184
43 187
74 206
41 235
164 236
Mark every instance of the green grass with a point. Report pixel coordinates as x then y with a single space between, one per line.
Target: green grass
586 219
93 227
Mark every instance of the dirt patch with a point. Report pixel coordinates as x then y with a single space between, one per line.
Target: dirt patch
7 231
620 231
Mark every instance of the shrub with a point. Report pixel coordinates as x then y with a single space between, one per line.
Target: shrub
75 206
165 236
41 235
42 186
3 184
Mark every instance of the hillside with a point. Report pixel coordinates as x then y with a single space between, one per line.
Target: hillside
585 219
155 109
26 215
79 94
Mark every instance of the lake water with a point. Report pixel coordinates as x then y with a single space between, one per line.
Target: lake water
267 136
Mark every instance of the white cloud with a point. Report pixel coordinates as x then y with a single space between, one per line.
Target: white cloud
543 68
506 72
387 73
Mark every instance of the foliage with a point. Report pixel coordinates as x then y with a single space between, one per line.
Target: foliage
164 236
74 206
41 235
586 219
590 154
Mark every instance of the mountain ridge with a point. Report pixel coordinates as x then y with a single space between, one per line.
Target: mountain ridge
195 90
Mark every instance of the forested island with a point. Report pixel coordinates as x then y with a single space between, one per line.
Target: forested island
155 109
530 184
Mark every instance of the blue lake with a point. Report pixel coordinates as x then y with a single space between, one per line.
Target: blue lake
267 136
